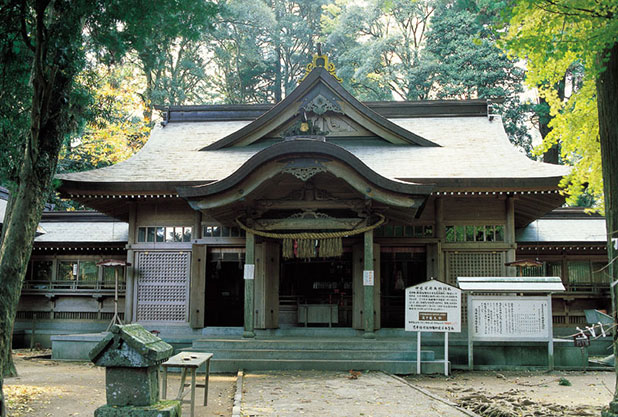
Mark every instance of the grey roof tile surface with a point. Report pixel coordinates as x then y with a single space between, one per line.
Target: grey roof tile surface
591 230
470 147
83 232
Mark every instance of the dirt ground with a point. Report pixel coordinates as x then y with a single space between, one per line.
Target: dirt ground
522 394
46 388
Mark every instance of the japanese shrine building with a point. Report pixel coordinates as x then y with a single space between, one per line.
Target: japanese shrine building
267 216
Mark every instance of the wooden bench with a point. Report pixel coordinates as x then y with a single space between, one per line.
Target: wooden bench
187 361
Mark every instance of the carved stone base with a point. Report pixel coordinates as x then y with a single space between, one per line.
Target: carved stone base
169 408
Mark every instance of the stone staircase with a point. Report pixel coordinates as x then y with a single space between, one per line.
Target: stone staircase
315 352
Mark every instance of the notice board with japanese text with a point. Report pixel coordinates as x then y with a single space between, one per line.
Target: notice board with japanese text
509 318
433 306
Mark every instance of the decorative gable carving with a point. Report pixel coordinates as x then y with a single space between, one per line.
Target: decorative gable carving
319 98
320 104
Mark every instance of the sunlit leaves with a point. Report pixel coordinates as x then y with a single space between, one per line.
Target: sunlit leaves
117 129
553 36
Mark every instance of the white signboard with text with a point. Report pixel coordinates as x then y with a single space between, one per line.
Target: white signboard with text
504 318
433 306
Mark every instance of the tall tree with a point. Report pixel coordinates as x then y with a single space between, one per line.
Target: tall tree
465 63
53 34
553 35
377 47
261 47
44 40
295 35
241 43
168 44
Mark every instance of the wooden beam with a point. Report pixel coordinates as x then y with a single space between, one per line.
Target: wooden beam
308 224
355 204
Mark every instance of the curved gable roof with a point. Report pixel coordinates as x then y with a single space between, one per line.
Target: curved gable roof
319 79
298 148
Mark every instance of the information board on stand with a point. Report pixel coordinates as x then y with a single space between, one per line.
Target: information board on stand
433 306
510 309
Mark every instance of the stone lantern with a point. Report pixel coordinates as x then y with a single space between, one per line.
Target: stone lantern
131 356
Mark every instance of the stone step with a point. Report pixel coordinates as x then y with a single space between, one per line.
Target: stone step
395 367
303 344
313 354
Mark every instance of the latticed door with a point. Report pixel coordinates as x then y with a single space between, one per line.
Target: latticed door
162 292
473 264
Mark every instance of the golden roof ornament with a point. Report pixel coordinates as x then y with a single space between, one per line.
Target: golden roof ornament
321 60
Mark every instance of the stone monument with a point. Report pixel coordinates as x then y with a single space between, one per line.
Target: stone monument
131 356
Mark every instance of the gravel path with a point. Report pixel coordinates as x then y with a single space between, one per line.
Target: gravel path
310 393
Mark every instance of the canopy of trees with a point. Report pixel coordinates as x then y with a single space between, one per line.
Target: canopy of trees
578 38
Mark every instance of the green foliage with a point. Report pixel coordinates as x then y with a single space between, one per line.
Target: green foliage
431 49
260 48
376 47
15 95
466 63
555 36
166 42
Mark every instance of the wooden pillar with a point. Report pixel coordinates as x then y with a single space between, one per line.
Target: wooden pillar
130 272
266 285
441 235
368 284
197 293
196 233
510 235
197 302
249 276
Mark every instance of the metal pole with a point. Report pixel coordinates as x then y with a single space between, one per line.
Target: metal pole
446 353
418 353
550 342
470 343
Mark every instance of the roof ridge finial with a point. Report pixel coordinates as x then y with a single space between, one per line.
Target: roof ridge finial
321 60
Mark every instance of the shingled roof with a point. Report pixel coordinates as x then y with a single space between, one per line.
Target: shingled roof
470 148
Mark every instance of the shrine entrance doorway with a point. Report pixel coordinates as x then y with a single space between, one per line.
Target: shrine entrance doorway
401 267
225 290
316 292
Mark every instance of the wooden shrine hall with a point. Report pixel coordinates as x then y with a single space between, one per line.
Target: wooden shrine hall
316 212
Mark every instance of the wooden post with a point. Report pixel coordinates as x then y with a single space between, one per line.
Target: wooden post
249 284
440 233
368 283
197 301
129 294
510 235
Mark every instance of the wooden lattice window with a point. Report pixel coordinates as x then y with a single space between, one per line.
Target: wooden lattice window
473 264
162 286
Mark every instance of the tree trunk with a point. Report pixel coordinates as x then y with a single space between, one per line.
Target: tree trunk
607 103
8 366
54 67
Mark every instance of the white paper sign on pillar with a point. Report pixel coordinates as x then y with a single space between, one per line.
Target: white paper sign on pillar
368 278
249 271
